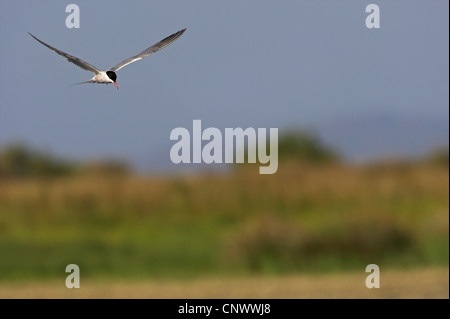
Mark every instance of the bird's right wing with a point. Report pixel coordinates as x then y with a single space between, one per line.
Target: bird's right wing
82 64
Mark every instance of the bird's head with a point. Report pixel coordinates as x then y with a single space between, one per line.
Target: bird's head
112 75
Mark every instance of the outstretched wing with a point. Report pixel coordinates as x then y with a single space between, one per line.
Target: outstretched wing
156 47
82 64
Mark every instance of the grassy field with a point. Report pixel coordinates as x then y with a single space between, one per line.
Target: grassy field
305 219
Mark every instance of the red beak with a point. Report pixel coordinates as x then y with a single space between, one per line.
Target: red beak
116 85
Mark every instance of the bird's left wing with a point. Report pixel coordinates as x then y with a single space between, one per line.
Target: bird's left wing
156 47
82 64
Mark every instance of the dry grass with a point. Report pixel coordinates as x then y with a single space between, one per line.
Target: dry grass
425 283
293 186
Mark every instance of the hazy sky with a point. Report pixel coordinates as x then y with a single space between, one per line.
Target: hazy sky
252 63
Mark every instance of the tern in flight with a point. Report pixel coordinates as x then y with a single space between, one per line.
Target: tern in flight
110 76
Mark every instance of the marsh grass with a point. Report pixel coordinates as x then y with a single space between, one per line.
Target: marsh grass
304 218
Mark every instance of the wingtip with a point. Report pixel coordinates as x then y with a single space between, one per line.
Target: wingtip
180 33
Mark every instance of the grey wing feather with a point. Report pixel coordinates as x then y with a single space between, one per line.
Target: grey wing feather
156 47
82 64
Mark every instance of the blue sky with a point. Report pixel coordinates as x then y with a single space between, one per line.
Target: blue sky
253 63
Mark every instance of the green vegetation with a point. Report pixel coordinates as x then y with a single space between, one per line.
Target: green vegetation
306 217
439 157
305 146
20 161
300 146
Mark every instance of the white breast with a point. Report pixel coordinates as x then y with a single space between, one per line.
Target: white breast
102 78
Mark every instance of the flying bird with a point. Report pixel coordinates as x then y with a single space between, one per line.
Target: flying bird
109 76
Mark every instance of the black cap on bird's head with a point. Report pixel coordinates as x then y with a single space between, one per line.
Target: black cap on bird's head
112 75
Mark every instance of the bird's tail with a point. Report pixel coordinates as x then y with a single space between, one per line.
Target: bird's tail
84 82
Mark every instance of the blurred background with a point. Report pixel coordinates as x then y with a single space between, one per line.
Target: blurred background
85 171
